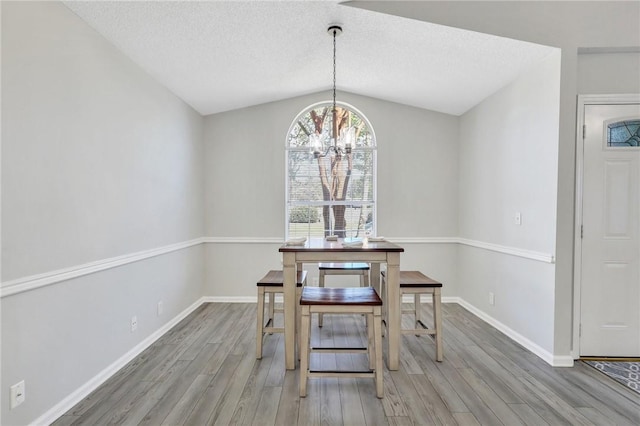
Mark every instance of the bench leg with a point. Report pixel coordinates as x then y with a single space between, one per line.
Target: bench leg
320 284
437 322
383 295
260 323
370 342
377 349
272 301
298 320
416 310
304 349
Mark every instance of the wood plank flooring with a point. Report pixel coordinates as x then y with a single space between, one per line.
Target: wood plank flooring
204 371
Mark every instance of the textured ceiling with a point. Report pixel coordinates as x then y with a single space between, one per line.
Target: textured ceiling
224 55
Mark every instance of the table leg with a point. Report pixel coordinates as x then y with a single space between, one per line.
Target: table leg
394 310
374 276
289 271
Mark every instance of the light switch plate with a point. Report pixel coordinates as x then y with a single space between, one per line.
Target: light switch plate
17 394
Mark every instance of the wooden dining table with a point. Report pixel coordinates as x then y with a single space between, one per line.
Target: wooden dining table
319 250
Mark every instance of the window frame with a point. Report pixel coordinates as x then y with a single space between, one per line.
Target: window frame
373 149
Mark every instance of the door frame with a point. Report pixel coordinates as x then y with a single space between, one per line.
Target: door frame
583 101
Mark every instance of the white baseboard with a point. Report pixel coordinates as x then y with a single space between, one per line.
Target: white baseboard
548 357
83 391
563 361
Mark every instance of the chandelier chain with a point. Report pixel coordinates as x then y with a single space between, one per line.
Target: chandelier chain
336 146
334 69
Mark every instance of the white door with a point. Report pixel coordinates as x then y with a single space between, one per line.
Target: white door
610 287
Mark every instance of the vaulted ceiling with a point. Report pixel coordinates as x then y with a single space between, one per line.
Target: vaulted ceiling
224 55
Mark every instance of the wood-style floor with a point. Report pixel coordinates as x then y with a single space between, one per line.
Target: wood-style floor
204 371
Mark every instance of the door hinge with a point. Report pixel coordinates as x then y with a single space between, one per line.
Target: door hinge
584 131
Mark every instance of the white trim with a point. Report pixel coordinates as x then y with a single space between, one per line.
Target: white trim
279 240
584 100
424 240
577 232
514 251
548 357
83 391
614 49
608 99
33 282
562 361
243 240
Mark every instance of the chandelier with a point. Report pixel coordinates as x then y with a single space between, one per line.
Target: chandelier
341 141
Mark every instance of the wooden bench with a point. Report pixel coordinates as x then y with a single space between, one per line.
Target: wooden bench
271 284
357 300
416 283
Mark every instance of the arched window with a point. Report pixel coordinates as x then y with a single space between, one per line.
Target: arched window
330 191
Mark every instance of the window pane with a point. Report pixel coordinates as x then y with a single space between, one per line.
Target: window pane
623 133
330 190
305 125
352 221
309 176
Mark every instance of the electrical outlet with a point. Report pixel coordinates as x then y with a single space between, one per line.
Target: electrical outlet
492 299
134 323
18 395
160 308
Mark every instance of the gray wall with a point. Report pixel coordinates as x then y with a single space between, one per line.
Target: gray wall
602 72
98 161
568 25
508 163
417 187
